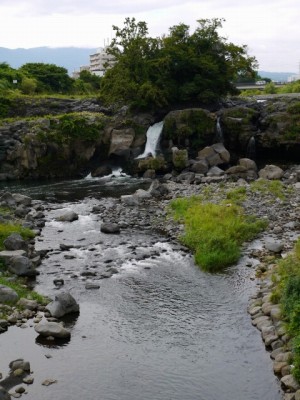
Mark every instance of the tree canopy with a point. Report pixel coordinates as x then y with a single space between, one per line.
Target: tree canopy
178 68
49 77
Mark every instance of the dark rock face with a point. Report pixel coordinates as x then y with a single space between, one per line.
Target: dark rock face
73 137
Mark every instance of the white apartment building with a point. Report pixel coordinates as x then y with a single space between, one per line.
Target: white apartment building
100 61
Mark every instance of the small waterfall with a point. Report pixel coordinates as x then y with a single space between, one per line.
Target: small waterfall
251 148
153 137
219 138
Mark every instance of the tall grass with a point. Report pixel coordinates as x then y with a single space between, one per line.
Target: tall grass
214 232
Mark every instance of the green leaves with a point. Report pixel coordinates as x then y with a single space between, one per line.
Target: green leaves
178 68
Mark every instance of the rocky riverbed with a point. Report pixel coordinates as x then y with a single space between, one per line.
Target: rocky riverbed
147 210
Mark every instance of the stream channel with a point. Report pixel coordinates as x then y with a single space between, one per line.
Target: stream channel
160 329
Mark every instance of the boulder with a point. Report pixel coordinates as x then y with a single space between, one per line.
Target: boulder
248 164
186 177
158 189
21 199
68 216
6 255
290 382
28 304
273 245
200 167
19 364
15 242
21 266
109 227
54 329
271 172
64 303
215 171
223 153
7 294
104 170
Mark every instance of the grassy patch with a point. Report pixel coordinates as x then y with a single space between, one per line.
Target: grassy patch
287 293
264 186
237 195
214 231
22 290
8 229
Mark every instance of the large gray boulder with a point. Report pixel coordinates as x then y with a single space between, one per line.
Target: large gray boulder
109 227
7 294
21 266
21 199
55 329
271 172
15 242
64 303
68 216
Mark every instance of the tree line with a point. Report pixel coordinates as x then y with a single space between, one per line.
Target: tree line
181 67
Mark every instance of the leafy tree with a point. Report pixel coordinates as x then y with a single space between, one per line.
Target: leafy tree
177 68
50 77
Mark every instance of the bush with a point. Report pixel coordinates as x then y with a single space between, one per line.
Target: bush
214 232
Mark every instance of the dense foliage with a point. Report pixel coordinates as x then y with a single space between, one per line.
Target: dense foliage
178 68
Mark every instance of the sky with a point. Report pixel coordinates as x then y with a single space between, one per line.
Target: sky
270 28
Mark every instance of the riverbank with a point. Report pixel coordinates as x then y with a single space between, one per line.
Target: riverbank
148 212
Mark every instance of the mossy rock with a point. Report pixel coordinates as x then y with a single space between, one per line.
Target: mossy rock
195 124
157 164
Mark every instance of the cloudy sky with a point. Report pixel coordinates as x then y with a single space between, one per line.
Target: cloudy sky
270 28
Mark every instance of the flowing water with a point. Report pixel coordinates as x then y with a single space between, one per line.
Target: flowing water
160 329
153 137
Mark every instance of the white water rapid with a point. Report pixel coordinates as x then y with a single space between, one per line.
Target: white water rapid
153 136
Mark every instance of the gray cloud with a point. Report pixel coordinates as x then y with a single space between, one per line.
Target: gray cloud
75 7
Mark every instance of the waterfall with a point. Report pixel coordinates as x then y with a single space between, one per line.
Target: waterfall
153 136
219 138
251 148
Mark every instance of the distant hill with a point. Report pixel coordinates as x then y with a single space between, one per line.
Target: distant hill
276 76
70 58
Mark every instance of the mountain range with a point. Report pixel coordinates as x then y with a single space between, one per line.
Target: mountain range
72 58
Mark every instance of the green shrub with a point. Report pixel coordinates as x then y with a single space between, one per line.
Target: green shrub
20 288
214 232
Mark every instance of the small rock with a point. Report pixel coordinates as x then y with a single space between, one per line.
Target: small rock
28 380
48 382
20 389
110 228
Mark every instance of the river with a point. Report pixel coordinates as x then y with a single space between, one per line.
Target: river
159 329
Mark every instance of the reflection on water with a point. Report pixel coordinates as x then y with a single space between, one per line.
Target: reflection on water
158 329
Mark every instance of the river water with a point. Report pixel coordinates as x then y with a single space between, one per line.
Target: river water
159 329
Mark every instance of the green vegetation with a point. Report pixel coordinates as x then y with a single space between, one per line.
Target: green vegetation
194 124
214 231
265 186
65 128
158 163
178 68
22 290
287 293
8 229
237 195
